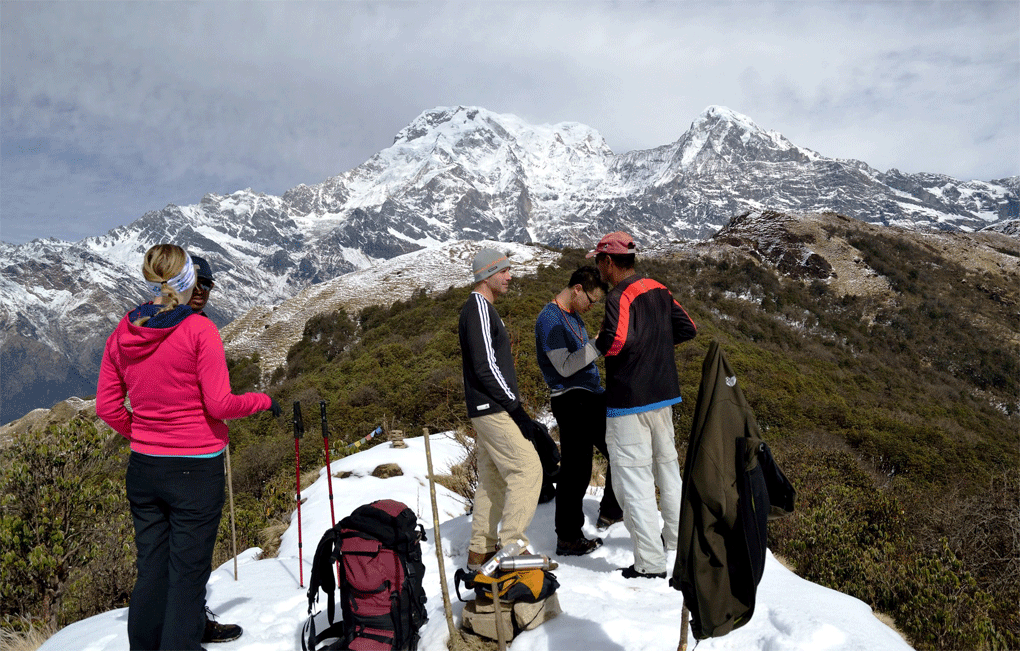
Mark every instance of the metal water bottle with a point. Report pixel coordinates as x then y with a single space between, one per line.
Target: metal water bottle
513 549
527 562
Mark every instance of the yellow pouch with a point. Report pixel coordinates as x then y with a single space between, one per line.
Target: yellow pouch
529 585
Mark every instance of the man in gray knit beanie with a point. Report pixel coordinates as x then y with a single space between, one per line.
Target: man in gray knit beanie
489 262
509 468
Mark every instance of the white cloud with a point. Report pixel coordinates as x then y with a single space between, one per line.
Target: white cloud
179 99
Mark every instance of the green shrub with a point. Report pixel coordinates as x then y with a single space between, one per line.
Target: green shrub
58 491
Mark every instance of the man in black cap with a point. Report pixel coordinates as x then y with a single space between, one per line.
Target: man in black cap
204 282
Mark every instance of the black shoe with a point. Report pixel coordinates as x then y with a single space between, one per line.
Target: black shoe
631 573
604 522
578 547
216 632
548 493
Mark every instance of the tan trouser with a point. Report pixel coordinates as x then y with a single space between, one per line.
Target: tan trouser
509 481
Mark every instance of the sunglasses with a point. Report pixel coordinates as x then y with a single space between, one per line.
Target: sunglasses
207 285
591 300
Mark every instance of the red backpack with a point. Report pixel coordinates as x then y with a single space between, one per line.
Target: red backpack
382 600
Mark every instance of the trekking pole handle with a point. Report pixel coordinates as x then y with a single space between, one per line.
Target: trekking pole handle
322 415
299 423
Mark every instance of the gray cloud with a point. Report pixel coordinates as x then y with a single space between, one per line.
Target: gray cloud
111 109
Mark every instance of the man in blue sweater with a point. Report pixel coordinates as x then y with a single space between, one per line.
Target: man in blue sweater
566 357
642 324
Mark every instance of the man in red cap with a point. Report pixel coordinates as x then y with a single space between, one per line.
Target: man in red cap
641 326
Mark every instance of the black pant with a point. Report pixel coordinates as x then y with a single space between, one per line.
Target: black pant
176 503
581 416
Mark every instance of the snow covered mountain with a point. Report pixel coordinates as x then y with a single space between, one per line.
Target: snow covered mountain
453 174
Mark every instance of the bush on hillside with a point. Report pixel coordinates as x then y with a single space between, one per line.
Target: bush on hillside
60 498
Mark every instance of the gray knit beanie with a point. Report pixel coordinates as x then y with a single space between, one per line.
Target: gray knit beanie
488 262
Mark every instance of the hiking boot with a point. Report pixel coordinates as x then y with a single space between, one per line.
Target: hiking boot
578 547
216 632
477 559
631 573
604 522
548 493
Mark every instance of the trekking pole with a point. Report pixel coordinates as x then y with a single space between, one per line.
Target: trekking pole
329 471
233 522
684 619
299 431
439 542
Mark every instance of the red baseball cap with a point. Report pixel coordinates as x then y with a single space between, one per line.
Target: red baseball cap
618 242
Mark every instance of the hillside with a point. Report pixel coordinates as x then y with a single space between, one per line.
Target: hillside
881 364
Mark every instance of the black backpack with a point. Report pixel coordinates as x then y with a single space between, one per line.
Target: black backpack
378 548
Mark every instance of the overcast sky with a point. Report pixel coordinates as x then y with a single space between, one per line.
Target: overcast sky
111 109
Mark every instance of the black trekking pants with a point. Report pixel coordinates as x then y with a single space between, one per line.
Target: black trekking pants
176 503
581 417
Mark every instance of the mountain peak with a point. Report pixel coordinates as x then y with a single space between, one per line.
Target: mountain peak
432 119
716 113
721 134
453 123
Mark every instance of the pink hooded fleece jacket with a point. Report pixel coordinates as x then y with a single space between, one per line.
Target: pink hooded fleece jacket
178 384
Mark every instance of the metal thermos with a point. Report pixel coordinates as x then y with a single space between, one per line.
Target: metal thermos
527 562
514 548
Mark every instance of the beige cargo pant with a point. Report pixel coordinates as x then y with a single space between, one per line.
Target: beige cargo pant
509 481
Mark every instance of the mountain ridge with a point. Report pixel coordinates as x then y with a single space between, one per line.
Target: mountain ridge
452 174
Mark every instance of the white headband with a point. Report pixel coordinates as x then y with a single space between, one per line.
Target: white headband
179 283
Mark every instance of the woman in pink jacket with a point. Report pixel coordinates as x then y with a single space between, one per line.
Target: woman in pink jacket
172 367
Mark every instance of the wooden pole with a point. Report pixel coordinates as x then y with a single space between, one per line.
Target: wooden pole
230 493
498 612
684 620
439 544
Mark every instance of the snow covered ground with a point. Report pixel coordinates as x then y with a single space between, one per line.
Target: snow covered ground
602 611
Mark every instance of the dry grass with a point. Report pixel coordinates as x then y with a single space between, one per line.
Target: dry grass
269 539
30 640
309 477
463 476
468 641
598 470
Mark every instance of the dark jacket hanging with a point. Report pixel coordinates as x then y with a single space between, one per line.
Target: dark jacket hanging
732 486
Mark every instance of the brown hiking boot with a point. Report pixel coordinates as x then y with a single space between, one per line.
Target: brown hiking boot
604 522
477 559
216 632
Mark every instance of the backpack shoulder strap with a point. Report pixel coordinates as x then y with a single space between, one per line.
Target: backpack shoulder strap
322 573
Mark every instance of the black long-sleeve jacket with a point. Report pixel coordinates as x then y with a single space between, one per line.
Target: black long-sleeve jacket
490 381
641 326
732 486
